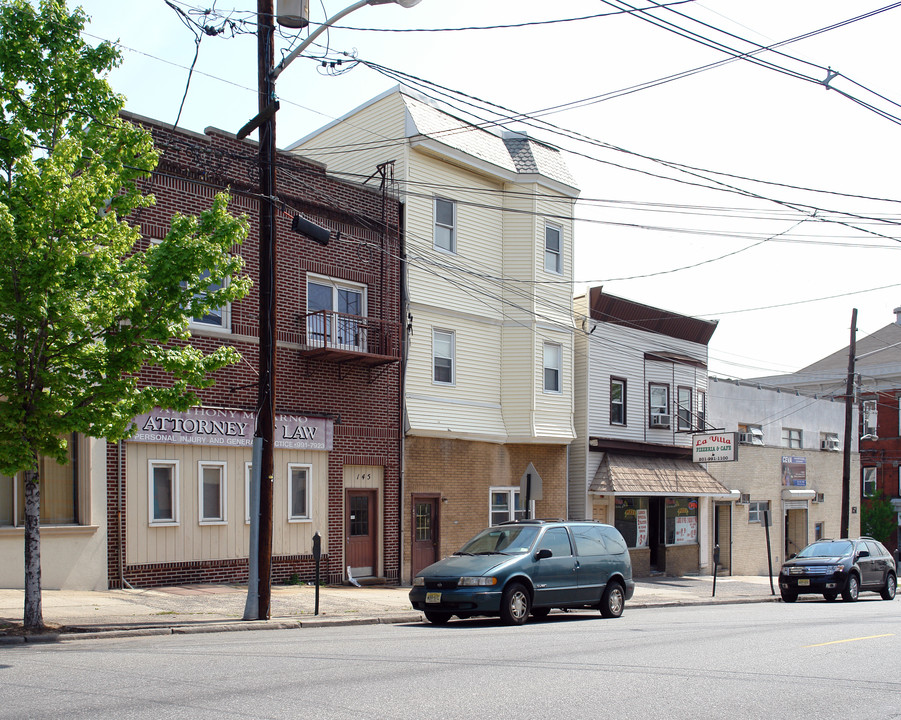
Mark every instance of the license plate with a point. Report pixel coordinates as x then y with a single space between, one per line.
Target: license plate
433 597
803 581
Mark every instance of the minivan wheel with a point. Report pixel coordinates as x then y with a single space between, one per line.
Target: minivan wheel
437 618
852 589
613 601
891 585
515 604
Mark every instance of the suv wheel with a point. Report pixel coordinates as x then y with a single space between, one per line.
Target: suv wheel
788 595
515 604
852 589
613 601
891 585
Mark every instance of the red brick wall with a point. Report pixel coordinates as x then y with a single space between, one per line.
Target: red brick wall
365 402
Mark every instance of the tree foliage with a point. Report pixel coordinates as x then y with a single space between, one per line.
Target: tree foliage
85 306
878 517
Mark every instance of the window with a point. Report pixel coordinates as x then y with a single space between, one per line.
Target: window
631 519
557 541
163 489
617 401
819 530
553 249
58 486
869 482
298 492
446 225
335 312
685 408
658 405
211 486
750 434
791 438
681 520
443 357
215 317
702 411
505 505
553 359
869 417
756 510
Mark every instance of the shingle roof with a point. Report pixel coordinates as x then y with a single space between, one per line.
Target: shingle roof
641 475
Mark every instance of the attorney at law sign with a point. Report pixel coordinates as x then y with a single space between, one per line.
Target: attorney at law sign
234 428
714 447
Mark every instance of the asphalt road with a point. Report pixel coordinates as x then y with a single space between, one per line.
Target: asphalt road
814 659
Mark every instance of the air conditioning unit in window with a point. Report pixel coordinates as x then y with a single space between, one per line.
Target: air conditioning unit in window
830 444
660 420
819 497
745 438
744 499
752 437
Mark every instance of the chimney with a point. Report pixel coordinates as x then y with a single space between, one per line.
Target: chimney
897 312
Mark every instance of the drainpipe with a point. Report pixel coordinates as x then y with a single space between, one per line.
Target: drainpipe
119 517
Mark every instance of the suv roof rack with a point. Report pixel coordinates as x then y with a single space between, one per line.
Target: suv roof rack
531 521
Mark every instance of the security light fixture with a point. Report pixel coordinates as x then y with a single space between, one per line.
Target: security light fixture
315 232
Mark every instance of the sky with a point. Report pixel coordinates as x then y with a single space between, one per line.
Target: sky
752 192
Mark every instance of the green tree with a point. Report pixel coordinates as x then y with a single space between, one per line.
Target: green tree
878 518
84 306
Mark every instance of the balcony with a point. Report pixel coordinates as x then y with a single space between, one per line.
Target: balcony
342 338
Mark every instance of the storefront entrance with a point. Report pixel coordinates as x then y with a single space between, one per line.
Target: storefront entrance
361 532
425 531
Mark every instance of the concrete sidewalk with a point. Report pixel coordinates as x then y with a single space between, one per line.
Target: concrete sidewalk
74 614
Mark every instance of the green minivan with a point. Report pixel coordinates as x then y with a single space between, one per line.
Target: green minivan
528 567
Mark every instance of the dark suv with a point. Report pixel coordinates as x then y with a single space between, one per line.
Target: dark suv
846 566
528 567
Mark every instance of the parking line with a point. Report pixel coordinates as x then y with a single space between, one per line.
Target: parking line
836 642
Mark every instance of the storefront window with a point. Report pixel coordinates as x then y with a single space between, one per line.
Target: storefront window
631 519
681 521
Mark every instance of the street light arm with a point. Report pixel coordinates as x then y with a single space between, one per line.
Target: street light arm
287 60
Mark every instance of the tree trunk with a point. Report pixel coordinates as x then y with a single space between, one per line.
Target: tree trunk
34 615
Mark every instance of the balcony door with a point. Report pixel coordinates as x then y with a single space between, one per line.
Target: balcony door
335 313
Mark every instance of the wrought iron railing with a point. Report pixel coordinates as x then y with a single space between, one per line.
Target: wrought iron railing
351 333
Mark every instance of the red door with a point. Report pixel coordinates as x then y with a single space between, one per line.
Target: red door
425 531
361 526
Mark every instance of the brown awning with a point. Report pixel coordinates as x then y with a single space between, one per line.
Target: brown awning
646 475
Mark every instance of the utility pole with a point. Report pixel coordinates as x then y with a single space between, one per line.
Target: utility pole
267 238
849 410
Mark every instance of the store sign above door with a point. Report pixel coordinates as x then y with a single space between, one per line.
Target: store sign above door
230 428
714 447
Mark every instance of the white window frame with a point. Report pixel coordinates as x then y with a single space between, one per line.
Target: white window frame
622 382
755 510
869 476
450 229
790 436
334 334
870 417
512 491
702 410
225 313
248 476
553 259
658 409
308 491
452 335
222 519
175 488
554 365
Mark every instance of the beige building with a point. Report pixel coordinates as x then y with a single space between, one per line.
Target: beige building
789 466
488 380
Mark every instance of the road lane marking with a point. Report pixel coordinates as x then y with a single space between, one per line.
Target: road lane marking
836 642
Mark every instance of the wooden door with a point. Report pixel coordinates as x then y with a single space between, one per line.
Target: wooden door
425 531
360 528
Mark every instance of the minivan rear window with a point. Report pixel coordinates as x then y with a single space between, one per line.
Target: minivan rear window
589 540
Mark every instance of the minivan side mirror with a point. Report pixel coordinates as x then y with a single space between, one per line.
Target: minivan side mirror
543 553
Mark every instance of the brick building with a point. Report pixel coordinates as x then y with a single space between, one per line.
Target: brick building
170 504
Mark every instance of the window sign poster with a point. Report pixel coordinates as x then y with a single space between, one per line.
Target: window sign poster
641 517
794 471
686 530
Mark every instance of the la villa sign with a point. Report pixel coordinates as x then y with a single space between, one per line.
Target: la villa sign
231 428
714 447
